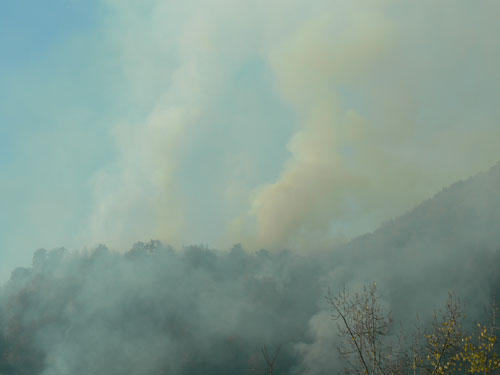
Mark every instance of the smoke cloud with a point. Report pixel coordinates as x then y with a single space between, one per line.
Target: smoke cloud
155 310
301 130
356 159
384 110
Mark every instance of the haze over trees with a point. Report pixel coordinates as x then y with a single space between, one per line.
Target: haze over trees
158 310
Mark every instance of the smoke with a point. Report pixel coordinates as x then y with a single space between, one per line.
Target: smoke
374 109
356 159
417 259
157 310
153 310
284 124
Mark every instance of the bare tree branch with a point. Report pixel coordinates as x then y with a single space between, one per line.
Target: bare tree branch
270 362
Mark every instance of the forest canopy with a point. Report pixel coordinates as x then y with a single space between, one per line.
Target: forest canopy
159 310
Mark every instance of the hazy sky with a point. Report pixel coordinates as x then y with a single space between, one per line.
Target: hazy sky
274 124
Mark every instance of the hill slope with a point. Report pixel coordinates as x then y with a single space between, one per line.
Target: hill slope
154 310
450 242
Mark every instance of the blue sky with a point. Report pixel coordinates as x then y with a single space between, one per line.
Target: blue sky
48 101
292 124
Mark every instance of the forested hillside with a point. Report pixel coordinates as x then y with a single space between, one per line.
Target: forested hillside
156 310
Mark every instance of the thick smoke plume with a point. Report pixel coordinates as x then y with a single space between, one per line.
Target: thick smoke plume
383 108
155 310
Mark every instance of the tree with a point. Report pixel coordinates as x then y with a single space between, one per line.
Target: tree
270 362
364 328
445 348
449 349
